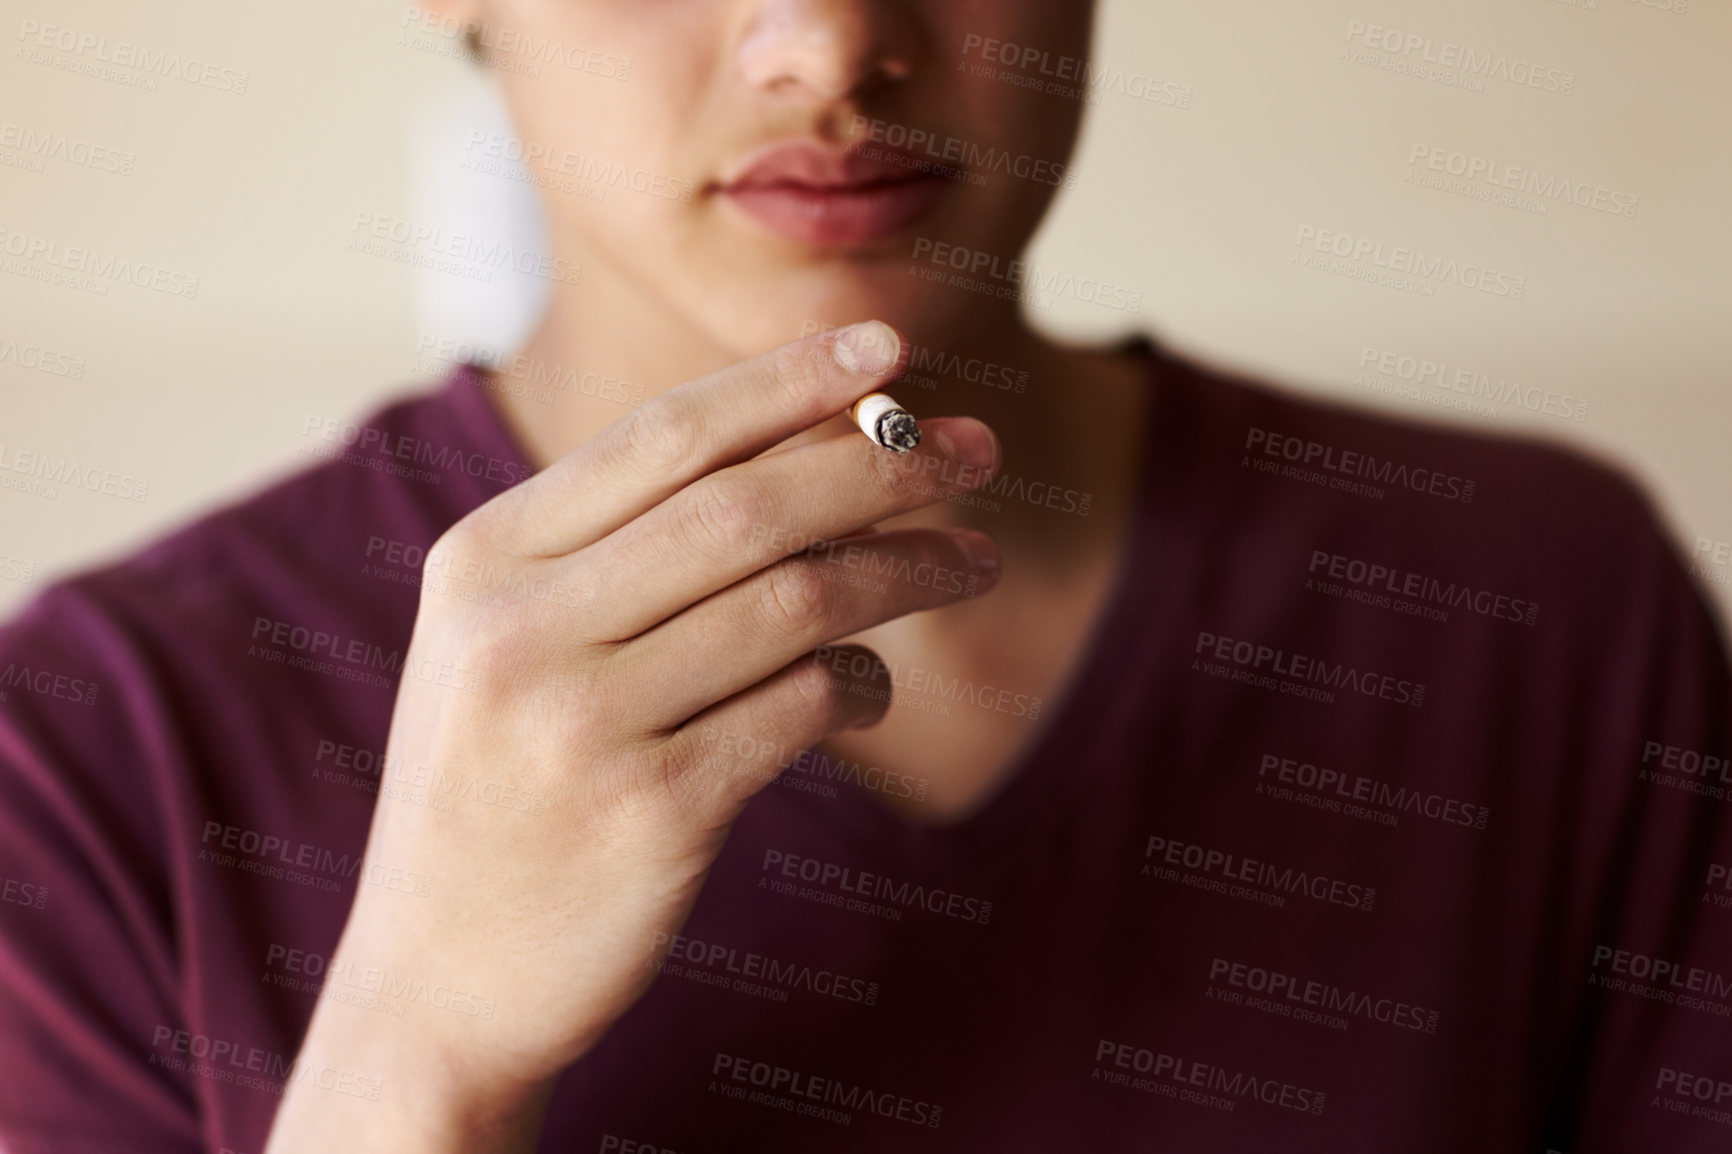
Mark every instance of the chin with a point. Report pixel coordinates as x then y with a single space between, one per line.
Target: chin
752 315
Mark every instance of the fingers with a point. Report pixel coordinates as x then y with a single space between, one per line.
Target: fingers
730 524
737 746
667 443
745 633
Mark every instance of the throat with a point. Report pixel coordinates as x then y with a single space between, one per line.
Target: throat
976 687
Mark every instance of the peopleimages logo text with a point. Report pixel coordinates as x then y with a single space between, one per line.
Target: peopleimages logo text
976 263
1409 262
1361 465
165 65
1304 668
1482 65
778 1079
1232 867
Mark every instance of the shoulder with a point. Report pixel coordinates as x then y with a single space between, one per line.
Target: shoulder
1550 516
120 655
378 489
141 710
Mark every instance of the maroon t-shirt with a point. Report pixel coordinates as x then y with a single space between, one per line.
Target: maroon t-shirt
1387 812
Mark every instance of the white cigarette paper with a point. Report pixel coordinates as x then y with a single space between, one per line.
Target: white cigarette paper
885 422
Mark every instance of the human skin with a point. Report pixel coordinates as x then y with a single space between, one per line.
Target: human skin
670 289
682 625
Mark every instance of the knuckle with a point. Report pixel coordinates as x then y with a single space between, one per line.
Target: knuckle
721 514
797 597
798 369
461 542
680 782
817 687
464 554
627 798
499 647
661 436
662 784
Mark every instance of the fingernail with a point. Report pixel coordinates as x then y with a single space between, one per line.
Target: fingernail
968 442
982 554
867 348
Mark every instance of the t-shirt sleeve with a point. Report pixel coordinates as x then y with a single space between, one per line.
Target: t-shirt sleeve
1648 1063
88 968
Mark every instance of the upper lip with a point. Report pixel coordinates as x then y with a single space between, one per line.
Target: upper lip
820 166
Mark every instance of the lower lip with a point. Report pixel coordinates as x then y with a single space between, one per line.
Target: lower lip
838 216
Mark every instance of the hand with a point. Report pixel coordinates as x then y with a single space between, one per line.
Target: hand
604 623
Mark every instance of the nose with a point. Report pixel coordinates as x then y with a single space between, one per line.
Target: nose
825 48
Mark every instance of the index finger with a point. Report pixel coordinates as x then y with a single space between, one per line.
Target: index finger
689 432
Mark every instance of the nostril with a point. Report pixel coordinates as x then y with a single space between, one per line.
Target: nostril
827 49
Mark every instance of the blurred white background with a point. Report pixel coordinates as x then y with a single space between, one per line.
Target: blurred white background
1288 121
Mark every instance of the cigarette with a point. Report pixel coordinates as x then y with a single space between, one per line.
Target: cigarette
885 422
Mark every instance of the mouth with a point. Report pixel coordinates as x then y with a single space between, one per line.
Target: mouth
820 196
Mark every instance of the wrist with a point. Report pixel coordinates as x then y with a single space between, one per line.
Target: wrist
365 1081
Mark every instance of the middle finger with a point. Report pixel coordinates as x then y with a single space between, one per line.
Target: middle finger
735 522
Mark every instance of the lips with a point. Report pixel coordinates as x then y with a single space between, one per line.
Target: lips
834 198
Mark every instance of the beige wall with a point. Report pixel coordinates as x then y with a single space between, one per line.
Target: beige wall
1270 124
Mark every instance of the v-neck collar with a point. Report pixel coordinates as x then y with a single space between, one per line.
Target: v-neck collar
1048 770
